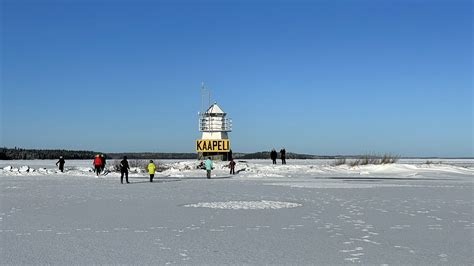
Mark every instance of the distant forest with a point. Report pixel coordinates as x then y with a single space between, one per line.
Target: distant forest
32 154
40 154
289 155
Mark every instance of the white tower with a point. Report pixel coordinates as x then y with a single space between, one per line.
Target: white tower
214 126
213 123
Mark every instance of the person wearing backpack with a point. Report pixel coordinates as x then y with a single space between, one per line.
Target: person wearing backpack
124 167
151 170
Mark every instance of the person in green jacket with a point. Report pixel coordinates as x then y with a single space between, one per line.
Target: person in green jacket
208 164
151 170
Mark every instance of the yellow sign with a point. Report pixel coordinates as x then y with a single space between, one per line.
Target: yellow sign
212 145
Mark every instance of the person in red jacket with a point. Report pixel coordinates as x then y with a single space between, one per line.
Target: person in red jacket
97 164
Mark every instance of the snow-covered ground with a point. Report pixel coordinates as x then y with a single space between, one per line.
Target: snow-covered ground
258 169
305 212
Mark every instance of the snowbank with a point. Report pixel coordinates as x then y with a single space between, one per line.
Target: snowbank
254 169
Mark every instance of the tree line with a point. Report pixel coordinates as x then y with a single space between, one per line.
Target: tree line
289 155
152 155
40 154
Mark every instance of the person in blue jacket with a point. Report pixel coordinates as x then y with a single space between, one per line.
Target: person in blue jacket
208 164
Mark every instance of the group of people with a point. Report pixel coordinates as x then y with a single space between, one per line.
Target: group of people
125 167
274 156
208 165
99 163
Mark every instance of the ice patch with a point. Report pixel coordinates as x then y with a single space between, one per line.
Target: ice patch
245 205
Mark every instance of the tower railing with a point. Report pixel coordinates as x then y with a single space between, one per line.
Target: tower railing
214 124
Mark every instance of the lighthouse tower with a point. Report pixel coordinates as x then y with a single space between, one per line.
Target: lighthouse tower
214 126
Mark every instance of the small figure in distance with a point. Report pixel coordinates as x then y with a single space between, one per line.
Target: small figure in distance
283 156
151 170
97 164
201 165
61 163
273 156
208 164
232 166
102 157
124 167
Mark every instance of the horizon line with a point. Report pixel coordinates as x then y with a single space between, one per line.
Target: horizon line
297 153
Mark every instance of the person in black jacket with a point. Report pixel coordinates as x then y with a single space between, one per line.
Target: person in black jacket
61 163
124 167
232 167
273 156
102 157
283 156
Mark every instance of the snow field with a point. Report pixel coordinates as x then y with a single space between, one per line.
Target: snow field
258 169
307 212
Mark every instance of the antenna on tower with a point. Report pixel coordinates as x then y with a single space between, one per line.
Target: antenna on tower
205 91
202 97
209 102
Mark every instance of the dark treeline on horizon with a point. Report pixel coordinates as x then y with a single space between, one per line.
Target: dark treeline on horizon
152 155
41 154
45 154
289 155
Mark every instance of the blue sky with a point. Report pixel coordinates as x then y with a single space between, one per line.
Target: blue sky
319 77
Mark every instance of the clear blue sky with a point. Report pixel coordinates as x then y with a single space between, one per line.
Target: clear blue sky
315 77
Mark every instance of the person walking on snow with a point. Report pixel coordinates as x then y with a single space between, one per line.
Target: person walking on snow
61 163
151 170
232 167
124 167
97 164
208 164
